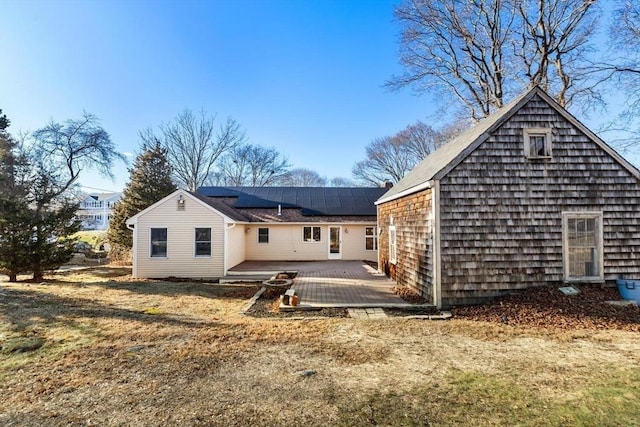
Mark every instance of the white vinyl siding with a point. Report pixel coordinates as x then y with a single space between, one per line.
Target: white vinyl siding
285 244
180 260
236 236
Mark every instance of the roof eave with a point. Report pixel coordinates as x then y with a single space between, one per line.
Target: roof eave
424 186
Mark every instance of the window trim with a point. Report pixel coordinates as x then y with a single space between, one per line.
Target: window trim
373 237
599 234
547 133
393 244
195 242
258 235
166 243
312 240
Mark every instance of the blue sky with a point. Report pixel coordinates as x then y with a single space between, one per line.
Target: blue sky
303 76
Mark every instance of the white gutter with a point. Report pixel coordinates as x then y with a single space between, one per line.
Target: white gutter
424 186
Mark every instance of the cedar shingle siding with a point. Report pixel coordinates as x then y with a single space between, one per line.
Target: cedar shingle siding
414 241
500 213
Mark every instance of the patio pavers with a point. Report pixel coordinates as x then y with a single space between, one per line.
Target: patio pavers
334 283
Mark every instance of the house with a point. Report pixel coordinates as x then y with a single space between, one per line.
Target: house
528 196
95 210
204 234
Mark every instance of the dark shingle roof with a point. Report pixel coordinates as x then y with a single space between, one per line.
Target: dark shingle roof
312 201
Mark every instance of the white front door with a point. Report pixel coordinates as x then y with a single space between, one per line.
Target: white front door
335 242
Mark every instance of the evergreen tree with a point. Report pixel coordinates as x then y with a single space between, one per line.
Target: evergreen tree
15 216
149 181
37 215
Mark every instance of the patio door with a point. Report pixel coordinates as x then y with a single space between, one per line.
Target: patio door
335 242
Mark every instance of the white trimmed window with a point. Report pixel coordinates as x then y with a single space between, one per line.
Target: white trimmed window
311 234
537 143
203 242
371 238
582 246
158 239
263 235
393 247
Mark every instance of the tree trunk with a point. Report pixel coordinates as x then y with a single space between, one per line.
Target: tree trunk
13 277
38 275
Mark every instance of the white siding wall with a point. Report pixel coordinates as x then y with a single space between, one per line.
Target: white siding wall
285 244
353 243
181 260
236 245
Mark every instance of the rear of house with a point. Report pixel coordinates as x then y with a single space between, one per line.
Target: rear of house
529 196
204 234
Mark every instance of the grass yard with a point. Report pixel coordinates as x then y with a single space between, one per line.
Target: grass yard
95 347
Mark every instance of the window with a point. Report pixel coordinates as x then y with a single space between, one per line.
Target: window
371 238
158 242
582 238
310 234
263 235
393 248
203 242
537 143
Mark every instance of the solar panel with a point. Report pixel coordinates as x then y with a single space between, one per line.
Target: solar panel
311 200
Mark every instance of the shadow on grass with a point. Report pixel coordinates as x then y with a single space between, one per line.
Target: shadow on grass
25 308
166 288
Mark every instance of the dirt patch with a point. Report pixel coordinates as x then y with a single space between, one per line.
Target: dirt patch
547 307
267 306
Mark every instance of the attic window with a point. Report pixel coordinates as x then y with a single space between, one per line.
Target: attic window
537 143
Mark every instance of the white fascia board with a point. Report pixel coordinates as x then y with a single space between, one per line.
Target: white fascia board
424 186
134 219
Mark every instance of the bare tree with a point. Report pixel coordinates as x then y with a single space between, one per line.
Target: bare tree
252 165
340 181
193 145
63 150
391 157
301 177
554 39
625 40
457 47
482 51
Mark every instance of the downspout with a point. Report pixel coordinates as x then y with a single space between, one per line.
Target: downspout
225 261
134 249
437 262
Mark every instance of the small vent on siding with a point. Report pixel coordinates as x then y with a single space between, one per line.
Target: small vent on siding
181 203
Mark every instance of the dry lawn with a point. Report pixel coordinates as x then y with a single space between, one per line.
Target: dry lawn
97 348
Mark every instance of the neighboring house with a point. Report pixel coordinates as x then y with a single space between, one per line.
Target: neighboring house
96 209
528 196
204 234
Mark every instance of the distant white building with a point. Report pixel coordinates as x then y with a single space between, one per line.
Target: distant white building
96 209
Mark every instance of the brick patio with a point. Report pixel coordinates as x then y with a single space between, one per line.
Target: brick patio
332 283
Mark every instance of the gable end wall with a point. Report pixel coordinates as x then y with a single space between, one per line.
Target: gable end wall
501 214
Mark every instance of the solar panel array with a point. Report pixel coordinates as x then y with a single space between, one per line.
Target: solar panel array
311 200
